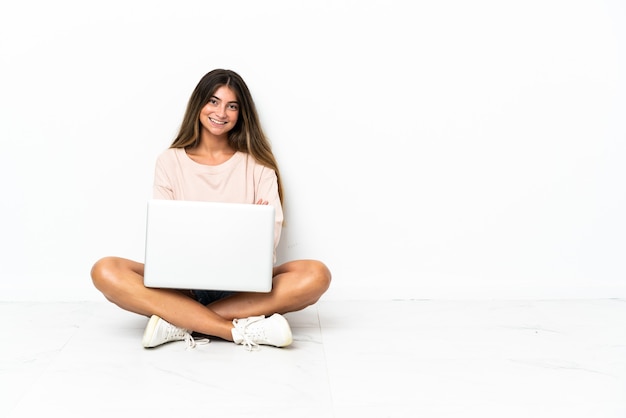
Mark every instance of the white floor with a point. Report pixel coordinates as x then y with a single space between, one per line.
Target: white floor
349 359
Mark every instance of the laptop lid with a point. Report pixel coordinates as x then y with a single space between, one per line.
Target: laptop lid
209 246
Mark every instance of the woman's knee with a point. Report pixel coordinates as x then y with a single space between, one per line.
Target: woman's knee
322 274
316 276
106 274
101 272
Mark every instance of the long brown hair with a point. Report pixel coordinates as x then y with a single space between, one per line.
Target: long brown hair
247 135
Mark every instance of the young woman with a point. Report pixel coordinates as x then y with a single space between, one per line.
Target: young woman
220 154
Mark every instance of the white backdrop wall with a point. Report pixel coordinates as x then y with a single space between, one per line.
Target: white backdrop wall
430 149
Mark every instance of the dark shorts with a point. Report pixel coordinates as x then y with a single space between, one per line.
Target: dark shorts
206 297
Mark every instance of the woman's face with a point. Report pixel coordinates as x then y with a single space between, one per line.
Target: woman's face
220 114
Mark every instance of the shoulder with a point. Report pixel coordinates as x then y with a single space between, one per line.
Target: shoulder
170 156
250 161
259 170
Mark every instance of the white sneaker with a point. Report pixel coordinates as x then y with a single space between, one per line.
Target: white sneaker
257 330
159 331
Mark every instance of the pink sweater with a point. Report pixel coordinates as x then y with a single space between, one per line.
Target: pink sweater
239 180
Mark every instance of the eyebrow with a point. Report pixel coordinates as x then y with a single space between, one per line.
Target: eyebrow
215 97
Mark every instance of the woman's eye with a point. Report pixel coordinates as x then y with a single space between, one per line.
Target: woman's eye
234 107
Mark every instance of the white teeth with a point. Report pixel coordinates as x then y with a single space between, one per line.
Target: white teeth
217 121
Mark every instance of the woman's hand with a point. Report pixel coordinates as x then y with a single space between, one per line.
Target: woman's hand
261 202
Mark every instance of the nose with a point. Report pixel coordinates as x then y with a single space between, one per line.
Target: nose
221 110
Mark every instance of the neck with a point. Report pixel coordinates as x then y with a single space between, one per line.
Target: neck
211 150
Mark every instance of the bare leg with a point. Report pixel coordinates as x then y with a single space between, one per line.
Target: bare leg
297 284
121 282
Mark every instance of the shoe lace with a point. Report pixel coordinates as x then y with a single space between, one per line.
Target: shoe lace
192 342
250 334
189 340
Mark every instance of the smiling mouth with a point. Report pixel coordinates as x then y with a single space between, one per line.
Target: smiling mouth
217 121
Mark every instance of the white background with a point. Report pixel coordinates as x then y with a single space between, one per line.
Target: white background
429 148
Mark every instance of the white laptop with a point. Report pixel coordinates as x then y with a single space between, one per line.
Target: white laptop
209 246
